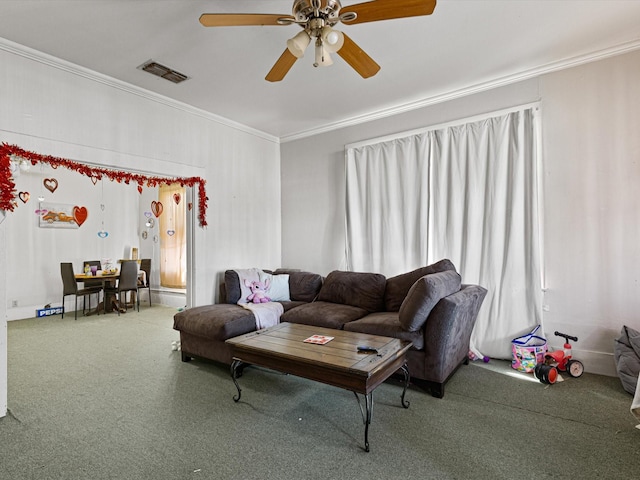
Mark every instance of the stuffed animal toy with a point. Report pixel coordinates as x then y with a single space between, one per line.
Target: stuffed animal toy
258 291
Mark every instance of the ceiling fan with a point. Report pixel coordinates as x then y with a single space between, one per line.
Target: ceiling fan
317 19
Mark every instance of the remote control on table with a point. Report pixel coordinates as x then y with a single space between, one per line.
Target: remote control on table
366 349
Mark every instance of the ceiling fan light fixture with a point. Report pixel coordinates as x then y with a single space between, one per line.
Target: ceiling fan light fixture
332 37
333 40
298 44
317 19
323 59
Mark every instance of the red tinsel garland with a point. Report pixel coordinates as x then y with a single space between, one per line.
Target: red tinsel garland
8 187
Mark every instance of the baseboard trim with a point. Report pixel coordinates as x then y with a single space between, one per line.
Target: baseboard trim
600 363
176 298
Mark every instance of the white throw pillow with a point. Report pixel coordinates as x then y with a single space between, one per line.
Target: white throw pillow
278 290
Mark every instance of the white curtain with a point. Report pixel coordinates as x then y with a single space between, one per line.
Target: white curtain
467 192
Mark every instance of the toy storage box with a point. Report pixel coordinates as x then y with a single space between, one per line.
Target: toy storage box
527 351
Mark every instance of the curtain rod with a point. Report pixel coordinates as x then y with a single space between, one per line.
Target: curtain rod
462 121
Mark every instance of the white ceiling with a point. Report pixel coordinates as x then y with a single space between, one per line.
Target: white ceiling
465 46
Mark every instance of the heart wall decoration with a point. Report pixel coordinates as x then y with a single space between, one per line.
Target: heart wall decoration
176 198
24 196
80 214
50 184
156 208
9 196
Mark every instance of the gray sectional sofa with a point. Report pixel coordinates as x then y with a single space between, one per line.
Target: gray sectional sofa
428 306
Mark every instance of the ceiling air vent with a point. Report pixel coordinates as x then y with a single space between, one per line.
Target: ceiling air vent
161 71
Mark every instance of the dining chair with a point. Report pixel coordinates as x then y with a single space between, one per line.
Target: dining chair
127 282
145 266
70 287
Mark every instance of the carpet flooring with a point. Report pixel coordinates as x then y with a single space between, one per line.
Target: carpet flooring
105 397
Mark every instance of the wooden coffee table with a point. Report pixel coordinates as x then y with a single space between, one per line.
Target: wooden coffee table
337 363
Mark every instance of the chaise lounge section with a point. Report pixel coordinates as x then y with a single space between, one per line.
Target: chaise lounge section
428 306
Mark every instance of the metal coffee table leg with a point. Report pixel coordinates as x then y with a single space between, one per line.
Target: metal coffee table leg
235 365
405 372
367 414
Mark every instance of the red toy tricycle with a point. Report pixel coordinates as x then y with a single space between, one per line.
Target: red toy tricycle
547 372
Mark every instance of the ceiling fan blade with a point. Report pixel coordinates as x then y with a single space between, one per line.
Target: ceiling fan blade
388 9
240 19
358 59
281 67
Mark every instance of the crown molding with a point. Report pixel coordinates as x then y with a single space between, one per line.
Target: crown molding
469 90
445 96
51 61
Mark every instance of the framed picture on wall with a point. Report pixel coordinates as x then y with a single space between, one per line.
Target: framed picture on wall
57 215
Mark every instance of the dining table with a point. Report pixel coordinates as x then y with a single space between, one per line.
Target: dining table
110 301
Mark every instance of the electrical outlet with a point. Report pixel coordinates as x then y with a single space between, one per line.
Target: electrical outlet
14 303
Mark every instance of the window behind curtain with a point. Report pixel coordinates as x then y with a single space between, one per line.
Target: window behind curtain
468 192
173 238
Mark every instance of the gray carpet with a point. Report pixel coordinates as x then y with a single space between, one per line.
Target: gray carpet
105 397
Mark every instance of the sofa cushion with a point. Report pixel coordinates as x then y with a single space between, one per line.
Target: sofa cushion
303 286
218 321
423 295
362 290
386 324
627 358
397 287
292 304
232 286
323 314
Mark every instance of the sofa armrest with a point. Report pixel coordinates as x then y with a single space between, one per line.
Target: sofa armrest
447 332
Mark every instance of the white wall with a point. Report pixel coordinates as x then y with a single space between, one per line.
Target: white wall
591 151
3 322
58 109
592 172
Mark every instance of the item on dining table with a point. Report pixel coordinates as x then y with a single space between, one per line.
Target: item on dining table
107 265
